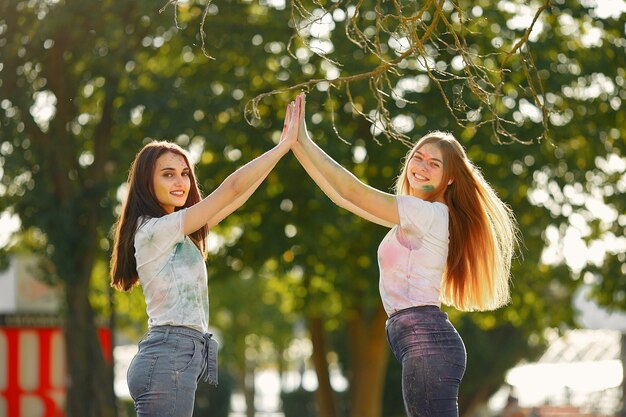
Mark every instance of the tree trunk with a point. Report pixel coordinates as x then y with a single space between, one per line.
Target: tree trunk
369 353
324 395
623 358
244 377
478 399
90 378
249 388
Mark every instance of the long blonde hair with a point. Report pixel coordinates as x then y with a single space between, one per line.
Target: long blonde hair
483 230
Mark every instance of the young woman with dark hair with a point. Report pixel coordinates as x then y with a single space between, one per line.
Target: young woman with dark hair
160 242
451 240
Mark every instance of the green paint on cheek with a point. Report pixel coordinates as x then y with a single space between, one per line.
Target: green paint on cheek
428 188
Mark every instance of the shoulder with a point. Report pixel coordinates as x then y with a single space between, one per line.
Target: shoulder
168 226
412 205
421 215
441 208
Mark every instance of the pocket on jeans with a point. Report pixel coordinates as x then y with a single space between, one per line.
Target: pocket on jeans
139 375
186 353
153 339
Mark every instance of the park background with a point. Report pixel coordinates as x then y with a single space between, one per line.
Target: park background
293 280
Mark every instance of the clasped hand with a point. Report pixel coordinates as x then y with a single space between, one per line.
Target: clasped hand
295 125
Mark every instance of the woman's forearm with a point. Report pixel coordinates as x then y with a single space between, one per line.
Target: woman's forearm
240 185
318 163
329 188
233 191
245 179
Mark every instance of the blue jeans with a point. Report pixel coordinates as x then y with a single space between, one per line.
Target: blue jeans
433 359
164 374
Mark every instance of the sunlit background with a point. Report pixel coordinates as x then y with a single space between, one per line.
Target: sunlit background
581 368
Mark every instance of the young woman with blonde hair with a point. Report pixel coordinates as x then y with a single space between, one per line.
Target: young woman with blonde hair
160 241
451 240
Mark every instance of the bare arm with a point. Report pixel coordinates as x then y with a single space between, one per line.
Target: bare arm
239 186
340 185
328 189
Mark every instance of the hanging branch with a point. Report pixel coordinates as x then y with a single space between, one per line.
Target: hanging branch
430 29
202 31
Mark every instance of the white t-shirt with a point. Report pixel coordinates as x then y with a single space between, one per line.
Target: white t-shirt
172 273
412 256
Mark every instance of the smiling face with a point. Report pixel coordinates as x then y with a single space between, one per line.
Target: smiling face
425 171
171 181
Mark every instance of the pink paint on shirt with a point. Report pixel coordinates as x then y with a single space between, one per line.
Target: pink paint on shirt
412 257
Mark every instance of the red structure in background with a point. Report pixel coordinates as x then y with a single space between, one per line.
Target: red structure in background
33 372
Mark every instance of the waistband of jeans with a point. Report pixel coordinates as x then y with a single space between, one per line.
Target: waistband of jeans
425 309
182 330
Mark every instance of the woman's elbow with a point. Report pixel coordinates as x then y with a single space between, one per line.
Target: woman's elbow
232 188
338 200
349 193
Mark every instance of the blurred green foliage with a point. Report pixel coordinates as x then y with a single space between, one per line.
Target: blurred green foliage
84 86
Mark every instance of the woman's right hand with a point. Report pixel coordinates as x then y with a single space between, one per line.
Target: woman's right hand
289 135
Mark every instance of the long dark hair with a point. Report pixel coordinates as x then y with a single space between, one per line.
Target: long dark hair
483 230
141 202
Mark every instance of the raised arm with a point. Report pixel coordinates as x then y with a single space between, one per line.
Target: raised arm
240 185
340 185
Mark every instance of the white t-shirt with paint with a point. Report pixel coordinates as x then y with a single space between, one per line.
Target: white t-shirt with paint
412 256
172 273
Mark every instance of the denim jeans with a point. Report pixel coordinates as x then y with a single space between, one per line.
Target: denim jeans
433 359
164 374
